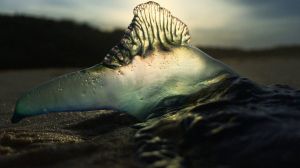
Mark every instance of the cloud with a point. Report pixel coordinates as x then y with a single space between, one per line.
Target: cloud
241 23
273 8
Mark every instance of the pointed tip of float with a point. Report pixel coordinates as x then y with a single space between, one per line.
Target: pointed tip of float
16 115
16 118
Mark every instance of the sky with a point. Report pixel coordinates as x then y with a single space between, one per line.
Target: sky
217 23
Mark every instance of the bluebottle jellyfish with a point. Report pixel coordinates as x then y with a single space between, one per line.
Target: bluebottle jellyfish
152 61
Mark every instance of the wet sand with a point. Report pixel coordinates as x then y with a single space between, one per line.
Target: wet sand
267 70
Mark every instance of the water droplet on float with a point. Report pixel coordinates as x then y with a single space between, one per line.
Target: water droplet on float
93 90
120 72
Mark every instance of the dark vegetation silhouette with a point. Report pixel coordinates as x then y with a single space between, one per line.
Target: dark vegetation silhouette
32 42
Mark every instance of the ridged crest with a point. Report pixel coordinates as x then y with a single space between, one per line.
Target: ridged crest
152 27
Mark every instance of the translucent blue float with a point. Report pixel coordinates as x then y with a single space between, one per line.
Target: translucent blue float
153 61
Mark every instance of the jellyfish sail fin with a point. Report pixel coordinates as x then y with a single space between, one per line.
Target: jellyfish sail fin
152 61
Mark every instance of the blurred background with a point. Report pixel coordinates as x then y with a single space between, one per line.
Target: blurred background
40 39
